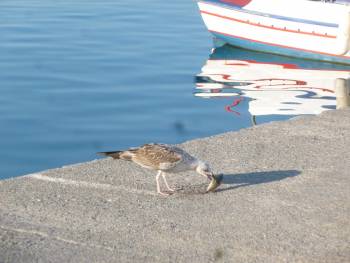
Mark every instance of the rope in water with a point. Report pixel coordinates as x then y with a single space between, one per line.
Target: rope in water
235 103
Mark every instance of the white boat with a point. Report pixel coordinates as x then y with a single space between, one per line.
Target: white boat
298 28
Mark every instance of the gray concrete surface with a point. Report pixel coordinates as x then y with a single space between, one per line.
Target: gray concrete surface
285 198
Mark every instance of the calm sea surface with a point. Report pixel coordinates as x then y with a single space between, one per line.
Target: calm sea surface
77 77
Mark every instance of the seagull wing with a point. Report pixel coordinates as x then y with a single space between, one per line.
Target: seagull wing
156 156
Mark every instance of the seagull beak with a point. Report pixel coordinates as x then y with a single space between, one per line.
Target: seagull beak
214 183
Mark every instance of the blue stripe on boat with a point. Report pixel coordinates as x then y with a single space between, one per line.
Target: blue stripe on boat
285 51
229 52
298 20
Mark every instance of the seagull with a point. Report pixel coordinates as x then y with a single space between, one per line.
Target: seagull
165 159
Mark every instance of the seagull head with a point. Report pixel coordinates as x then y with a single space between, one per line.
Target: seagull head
204 169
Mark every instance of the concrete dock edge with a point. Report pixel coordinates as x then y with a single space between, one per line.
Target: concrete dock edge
285 198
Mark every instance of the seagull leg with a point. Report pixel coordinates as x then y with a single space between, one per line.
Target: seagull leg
158 186
166 183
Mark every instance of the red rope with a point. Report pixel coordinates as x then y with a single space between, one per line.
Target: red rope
229 109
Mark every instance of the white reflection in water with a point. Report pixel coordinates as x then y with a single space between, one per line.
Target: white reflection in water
272 85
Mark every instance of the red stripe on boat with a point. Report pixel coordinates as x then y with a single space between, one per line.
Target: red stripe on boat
236 2
269 27
279 45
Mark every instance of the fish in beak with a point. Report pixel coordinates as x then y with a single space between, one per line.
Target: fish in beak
215 182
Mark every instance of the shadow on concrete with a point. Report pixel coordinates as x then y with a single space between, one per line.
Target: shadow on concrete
247 179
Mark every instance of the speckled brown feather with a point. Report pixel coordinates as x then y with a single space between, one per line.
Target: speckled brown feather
153 155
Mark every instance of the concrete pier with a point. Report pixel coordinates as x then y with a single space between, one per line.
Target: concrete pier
285 198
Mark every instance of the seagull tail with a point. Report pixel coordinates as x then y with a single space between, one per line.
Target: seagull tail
113 154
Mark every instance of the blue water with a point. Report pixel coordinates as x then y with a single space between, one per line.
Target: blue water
83 76
77 77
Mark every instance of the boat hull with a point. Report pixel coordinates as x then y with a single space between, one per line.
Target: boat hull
279 49
267 31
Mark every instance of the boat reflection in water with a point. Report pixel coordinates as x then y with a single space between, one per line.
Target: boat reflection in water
272 85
